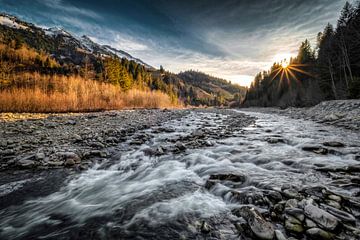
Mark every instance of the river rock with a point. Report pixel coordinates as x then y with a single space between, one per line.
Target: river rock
317 233
296 212
77 138
279 235
321 217
275 140
334 144
205 228
292 224
331 117
334 197
259 226
40 156
343 216
316 149
291 194
69 162
26 163
291 203
70 157
71 122
228 177
309 223
180 146
55 163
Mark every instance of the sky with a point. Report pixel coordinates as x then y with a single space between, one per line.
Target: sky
231 39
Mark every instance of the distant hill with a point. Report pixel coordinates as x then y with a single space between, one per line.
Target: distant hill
207 86
81 56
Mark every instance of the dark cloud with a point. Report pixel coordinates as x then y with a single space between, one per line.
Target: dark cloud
202 34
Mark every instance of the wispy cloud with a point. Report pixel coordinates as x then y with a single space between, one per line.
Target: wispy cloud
233 39
68 8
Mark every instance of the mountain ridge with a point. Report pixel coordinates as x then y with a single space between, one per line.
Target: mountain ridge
82 42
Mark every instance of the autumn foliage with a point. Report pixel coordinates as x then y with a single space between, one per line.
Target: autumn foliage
43 93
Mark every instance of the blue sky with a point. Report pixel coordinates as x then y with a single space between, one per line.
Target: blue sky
233 39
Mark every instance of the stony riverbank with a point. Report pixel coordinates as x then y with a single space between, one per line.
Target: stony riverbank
29 141
340 113
42 141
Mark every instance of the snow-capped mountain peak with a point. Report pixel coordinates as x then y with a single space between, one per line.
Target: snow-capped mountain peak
12 22
55 31
68 44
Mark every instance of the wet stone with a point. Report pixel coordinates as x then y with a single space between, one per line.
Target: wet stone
334 144
343 216
205 228
40 156
309 223
259 226
275 140
69 162
296 212
291 203
70 156
180 146
25 163
316 149
317 233
228 177
279 235
321 217
292 194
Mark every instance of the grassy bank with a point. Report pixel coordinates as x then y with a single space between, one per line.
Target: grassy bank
43 93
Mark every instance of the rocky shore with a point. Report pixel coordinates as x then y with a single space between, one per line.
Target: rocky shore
40 141
340 113
78 141
290 212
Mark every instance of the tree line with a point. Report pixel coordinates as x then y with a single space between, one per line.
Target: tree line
329 71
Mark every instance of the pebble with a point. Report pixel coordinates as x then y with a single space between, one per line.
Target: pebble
69 163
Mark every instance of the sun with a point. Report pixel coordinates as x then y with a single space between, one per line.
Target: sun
285 64
287 69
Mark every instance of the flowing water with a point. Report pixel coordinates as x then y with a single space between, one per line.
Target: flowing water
146 197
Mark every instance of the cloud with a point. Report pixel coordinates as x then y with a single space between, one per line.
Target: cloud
232 39
70 9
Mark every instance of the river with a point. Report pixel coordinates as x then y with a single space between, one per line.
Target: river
142 196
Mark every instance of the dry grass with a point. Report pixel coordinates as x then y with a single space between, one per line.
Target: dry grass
44 94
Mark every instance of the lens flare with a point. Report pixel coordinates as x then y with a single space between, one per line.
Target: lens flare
285 64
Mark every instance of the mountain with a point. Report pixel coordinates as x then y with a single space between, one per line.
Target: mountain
211 84
61 43
59 52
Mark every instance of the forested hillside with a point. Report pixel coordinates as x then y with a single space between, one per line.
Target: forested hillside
329 71
31 58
